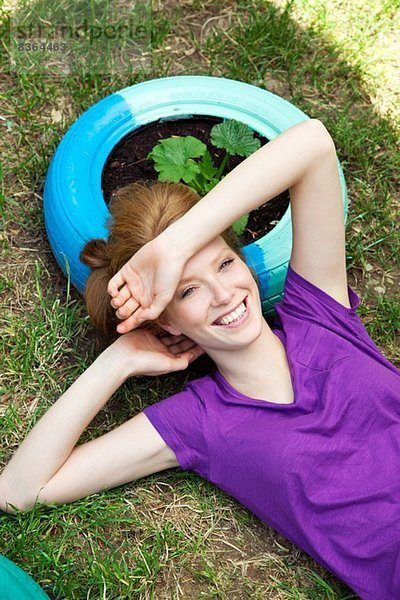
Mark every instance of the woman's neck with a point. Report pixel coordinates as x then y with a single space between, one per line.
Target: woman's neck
260 370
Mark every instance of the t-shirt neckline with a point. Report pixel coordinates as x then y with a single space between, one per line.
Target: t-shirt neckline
259 401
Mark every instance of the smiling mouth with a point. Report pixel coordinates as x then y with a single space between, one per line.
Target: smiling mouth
236 315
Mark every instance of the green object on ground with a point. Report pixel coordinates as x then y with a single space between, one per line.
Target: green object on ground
15 584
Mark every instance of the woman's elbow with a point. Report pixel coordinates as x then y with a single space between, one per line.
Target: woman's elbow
321 134
11 502
11 506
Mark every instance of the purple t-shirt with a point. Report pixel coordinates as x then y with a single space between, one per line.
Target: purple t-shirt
323 471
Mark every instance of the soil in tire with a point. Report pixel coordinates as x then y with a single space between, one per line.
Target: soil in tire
128 163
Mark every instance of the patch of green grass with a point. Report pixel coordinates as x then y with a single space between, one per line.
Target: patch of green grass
34 341
382 322
313 588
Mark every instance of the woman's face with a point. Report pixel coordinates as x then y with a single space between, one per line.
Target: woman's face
217 302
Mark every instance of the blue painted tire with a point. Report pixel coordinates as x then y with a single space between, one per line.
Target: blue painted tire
74 207
15 584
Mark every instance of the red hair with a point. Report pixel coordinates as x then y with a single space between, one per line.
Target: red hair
139 211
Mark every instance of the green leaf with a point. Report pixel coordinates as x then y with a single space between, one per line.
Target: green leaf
173 158
240 225
235 137
207 167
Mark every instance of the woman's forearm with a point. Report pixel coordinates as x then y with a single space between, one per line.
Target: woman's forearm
275 167
53 438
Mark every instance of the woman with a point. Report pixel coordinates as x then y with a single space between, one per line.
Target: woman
301 423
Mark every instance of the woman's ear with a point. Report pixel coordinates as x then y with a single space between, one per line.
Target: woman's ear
162 322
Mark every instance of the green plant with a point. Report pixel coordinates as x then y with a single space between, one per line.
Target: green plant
174 158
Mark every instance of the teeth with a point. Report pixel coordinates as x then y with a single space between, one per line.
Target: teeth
233 316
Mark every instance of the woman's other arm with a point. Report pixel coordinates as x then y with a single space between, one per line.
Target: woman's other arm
49 444
48 467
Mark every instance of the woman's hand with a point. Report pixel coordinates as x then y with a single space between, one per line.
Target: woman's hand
148 354
146 283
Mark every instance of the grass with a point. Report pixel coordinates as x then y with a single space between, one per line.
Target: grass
173 535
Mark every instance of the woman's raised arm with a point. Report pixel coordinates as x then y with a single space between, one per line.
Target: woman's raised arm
279 165
302 159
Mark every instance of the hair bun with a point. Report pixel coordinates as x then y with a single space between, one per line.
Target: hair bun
95 254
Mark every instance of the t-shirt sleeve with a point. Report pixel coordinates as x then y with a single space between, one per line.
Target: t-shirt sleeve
179 420
304 300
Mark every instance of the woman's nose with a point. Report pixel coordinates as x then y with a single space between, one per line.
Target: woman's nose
222 294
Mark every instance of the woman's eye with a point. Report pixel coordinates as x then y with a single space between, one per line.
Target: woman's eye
226 262
191 289
186 292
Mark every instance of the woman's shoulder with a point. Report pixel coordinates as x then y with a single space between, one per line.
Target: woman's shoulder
319 329
304 301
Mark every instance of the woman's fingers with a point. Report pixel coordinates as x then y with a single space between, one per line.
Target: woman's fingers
133 311
127 309
123 295
189 356
171 340
154 310
136 318
131 285
151 308
193 352
180 344
181 362
183 346
177 344
115 283
129 324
